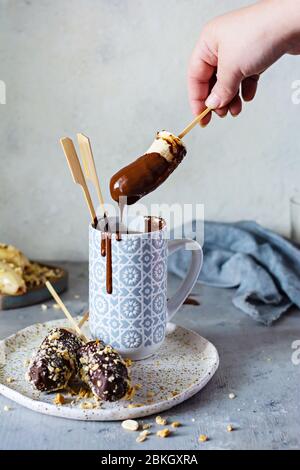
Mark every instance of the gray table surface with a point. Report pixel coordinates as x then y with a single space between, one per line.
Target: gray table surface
255 364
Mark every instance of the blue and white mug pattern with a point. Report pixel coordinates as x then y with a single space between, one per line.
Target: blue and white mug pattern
133 318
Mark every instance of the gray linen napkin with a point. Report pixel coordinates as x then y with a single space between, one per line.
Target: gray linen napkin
262 266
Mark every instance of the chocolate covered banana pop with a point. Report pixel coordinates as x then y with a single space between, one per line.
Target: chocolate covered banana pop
103 370
150 170
55 361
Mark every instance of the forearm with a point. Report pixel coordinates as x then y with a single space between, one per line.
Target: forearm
286 28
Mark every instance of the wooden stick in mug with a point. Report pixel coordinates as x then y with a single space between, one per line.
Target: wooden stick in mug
77 174
89 166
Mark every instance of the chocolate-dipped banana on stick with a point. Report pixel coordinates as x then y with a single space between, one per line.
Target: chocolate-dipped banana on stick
150 170
103 370
55 361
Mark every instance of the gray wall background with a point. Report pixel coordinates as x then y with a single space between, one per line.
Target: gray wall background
116 70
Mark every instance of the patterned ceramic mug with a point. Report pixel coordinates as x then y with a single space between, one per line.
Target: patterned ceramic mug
133 317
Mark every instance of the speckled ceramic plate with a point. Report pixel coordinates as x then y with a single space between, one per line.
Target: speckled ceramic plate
182 367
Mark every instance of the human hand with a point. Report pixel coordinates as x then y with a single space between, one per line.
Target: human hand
234 49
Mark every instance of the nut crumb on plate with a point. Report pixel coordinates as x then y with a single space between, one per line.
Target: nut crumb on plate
59 399
146 426
175 424
163 432
229 428
135 405
203 438
10 380
86 405
6 408
161 421
232 396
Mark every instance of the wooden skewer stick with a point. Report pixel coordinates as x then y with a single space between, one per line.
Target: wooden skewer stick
194 122
83 320
65 310
76 171
89 166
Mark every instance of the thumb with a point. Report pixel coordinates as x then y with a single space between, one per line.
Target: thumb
225 89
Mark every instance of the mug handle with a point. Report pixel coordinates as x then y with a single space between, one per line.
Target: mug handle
175 302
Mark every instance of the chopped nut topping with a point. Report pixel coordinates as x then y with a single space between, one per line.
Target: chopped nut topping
203 438
229 428
128 362
10 380
161 421
130 425
59 399
176 424
141 438
163 432
150 394
54 336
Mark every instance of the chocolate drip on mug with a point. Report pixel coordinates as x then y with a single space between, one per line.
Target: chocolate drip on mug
109 286
103 244
106 247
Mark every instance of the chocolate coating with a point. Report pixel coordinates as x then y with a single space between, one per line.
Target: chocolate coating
103 370
55 361
143 176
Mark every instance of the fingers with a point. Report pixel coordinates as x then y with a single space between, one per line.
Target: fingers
199 75
205 120
235 107
222 112
201 72
219 92
249 87
226 88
